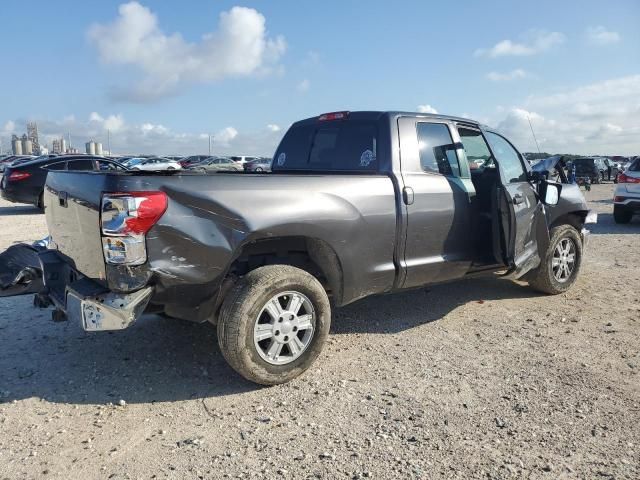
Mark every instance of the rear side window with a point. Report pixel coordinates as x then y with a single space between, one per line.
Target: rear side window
80 165
348 145
437 150
635 165
55 166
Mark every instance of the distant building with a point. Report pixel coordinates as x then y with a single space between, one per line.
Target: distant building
16 145
32 135
55 146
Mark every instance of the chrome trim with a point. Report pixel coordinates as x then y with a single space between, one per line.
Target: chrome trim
110 311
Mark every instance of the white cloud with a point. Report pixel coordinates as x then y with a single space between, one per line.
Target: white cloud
533 42
507 76
113 123
600 118
426 109
239 47
9 127
225 136
304 85
273 127
601 36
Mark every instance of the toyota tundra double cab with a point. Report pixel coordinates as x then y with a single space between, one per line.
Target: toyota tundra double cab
357 204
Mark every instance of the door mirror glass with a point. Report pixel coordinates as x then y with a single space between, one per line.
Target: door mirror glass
551 193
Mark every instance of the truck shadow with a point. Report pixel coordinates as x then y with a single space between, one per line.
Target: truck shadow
606 226
19 210
397 312
162 360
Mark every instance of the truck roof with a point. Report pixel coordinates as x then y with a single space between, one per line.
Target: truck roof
376 114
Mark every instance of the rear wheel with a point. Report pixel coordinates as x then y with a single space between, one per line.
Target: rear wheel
621 215
40 202
560 264
274 323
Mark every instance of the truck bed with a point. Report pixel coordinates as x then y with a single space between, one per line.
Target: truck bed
210 217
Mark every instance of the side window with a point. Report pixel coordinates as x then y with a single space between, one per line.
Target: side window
475 148
508 159
80 165
437 150
55 166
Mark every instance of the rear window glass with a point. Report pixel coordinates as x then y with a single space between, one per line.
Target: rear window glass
348 145
635 166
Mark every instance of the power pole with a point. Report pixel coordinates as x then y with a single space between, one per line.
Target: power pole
209 144
109 141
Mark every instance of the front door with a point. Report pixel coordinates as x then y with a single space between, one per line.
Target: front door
523 217
437 197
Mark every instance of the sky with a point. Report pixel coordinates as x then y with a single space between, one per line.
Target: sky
161 76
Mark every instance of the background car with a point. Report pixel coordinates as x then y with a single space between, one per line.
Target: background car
626 199
193 160
13 158
150 164
259 165
24 182
242 159
220 164
595 169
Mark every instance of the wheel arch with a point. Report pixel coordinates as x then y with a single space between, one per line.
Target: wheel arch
313 255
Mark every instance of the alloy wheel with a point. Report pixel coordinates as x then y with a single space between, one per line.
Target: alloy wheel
284 328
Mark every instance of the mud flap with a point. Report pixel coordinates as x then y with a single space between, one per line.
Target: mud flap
20 270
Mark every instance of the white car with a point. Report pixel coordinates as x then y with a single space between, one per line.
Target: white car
626 200
152 163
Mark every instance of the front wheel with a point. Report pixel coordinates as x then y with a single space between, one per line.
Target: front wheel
560 264
274 323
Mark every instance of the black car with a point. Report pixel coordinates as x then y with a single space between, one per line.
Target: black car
24 182
13 158
595 169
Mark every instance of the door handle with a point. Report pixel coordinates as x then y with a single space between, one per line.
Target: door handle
407 195
518 199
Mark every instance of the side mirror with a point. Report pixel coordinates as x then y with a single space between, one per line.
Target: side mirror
550 192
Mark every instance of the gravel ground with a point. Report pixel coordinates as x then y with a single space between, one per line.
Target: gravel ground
477 379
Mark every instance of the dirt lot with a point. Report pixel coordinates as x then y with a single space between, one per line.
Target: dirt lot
479 379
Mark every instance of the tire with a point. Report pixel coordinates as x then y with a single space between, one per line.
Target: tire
245 308
544 278
621 215
170 168
259 169
40 201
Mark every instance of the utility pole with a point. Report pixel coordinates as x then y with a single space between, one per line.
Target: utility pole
209 144
109 141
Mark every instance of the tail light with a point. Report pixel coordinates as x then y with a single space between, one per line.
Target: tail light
622 178
125 219
17 176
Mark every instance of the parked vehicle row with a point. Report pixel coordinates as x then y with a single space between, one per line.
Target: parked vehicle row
23 181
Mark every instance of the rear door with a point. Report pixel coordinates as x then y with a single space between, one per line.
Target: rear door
523 217
437 197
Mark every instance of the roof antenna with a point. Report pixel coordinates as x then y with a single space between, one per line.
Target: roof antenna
533 133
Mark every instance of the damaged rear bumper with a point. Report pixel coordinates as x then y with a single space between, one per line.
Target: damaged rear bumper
33 269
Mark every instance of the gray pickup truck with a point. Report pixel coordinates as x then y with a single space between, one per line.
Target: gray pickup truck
357 204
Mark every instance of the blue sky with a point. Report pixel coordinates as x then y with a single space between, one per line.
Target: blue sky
144 71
